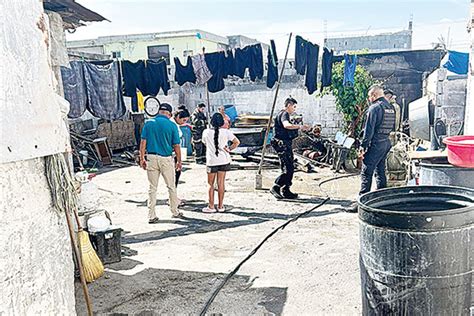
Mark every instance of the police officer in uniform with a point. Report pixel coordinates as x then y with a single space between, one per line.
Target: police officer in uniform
199 123
284 133
375 145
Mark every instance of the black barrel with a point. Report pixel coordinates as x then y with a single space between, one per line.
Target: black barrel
417 250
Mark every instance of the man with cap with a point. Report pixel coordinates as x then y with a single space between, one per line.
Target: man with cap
282 142
199 124
375 145
159 139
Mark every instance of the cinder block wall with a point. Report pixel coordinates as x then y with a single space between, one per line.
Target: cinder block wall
256 98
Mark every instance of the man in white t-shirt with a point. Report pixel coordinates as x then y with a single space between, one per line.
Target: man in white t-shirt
216 140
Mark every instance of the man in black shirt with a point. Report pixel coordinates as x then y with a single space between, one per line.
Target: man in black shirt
284 133
375 145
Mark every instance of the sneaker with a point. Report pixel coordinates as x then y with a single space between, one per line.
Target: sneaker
179 215
153 220
275 191
287 194
221 210
208 210
353 208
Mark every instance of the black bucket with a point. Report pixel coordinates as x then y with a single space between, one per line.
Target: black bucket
417 250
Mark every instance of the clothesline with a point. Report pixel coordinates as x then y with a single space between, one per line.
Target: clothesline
99 86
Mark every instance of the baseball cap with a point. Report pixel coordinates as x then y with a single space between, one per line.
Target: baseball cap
166 107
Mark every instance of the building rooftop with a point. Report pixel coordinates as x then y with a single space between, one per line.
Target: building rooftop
148 37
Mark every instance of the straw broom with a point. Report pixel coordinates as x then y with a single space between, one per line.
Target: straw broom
64 196
93 267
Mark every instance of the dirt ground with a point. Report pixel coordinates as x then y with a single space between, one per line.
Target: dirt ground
310 267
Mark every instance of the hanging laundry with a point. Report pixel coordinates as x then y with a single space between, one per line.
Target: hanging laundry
156 75
312 67
250 57
306 62
182 73
457 62
104 89
133 77
350 62
229 64
272 60
74 88
301 55
326 65
201 70
215 63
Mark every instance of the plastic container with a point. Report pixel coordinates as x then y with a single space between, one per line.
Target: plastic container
446 174
460 150
108 245
416 250
231 111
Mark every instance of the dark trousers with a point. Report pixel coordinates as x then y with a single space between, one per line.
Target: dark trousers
177 173
374 161
285 154
199 152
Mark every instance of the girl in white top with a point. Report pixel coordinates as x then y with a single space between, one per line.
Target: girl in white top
218 159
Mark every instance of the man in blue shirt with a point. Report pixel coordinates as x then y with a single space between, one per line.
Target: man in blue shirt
159 139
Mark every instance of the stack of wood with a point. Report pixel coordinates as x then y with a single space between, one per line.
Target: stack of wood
252 121
119 134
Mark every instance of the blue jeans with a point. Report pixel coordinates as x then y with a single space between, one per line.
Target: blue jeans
374 161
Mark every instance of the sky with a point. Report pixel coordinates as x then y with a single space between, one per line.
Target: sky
265 20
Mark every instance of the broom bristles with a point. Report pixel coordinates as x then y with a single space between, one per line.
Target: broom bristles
91 264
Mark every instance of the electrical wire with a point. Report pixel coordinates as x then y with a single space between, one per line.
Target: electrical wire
254 251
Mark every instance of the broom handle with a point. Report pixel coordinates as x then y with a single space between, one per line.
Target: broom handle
79 264
79 227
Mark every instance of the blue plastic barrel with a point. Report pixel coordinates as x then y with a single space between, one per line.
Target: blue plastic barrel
231 111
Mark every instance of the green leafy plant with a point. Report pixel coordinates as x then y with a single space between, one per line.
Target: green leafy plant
351 101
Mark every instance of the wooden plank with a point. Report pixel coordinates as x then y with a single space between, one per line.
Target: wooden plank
427 154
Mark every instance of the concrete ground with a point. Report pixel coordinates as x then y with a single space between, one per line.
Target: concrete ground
310 267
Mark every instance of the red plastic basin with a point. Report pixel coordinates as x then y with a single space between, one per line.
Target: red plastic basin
460 150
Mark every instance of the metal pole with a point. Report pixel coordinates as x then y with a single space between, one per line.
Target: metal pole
258 178
208 107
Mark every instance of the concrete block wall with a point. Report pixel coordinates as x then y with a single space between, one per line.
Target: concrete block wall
256 98
36 266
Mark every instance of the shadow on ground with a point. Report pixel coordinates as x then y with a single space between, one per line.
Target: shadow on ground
189 226
158 292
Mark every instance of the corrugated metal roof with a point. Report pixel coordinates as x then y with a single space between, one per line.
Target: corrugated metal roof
72 13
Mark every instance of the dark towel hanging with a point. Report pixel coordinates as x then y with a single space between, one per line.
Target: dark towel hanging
312 67
229 64
326 65
301 55
215 63
182 73
250 57
156 75
133 77
272 60
306 62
